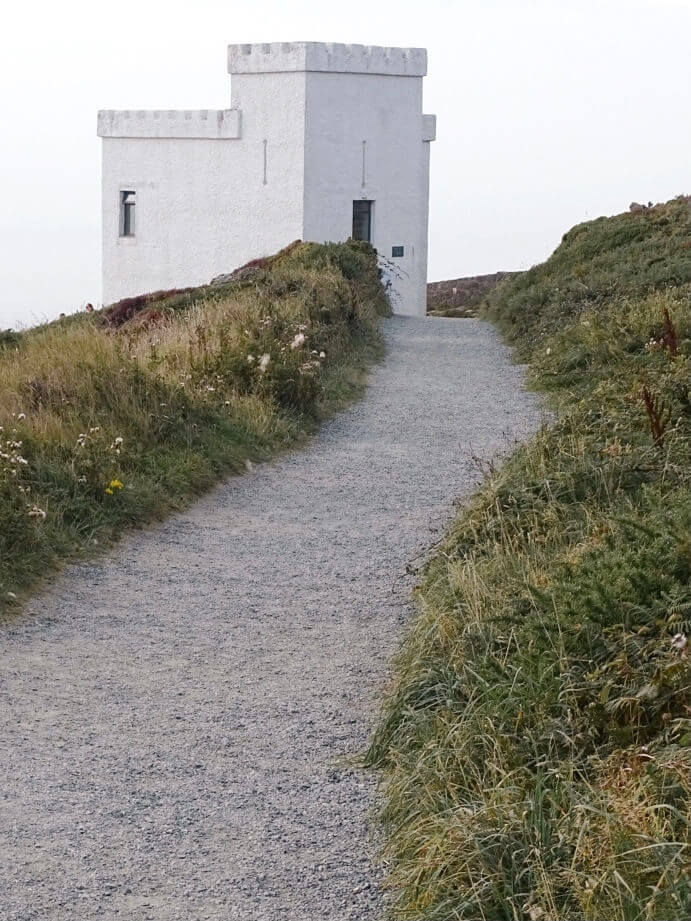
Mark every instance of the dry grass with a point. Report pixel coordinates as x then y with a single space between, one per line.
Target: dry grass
104 428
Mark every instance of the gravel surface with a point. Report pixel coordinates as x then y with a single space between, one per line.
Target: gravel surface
176 718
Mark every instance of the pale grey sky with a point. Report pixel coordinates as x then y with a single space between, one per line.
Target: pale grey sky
549 112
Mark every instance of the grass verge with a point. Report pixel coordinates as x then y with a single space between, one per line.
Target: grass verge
109 420
536 745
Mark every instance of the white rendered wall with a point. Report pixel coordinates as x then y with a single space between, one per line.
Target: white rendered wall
343 110
205 202
203 207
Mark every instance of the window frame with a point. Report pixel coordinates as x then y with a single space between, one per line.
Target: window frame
127 213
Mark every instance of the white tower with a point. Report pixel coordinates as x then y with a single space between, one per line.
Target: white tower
322 142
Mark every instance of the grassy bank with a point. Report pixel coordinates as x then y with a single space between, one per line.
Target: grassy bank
112 419
536 746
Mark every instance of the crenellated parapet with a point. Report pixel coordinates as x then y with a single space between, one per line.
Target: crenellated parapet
283 57
170 123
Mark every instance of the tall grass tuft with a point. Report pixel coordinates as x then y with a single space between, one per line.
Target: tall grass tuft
105 425
536 744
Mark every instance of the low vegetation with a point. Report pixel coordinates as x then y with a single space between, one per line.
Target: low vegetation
536 746
111 419
461 297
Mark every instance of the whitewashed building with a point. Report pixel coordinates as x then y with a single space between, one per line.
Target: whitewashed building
321 142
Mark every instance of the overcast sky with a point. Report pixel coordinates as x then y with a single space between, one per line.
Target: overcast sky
549 112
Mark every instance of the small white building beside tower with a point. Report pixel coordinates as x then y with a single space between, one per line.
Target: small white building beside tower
321 142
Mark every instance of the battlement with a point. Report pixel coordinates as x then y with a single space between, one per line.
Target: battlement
170 123
282 57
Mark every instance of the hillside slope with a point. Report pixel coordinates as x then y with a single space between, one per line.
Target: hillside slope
537 742
628 255
461 297
108 420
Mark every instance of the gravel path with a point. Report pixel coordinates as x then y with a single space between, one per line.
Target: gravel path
175 718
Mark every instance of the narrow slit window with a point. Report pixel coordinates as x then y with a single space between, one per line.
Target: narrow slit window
362 220
128 201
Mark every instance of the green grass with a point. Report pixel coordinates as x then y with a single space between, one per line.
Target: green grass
536 744
104 429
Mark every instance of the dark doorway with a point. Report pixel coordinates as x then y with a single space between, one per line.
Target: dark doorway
362 220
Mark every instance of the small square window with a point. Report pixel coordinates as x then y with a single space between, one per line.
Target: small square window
128 200
396 252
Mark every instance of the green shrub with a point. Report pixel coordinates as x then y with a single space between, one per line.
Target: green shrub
627 255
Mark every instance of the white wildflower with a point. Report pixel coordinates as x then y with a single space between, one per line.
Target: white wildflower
21 417
549 351
211 389
322 355
119 440
36 512
264 362
680 642
297 341
536 913
94 430
250 359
